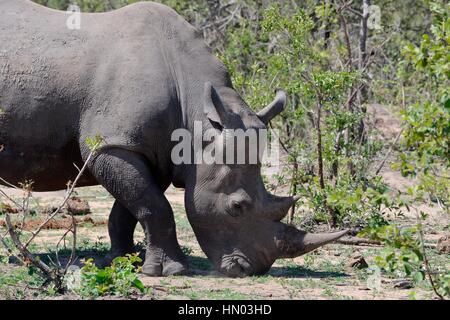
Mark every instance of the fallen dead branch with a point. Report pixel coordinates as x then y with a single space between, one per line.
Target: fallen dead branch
356 241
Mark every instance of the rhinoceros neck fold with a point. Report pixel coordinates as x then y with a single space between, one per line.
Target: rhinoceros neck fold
192 64
191 74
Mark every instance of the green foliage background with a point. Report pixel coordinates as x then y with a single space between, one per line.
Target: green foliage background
314 50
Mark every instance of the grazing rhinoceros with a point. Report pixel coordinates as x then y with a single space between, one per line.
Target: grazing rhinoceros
134 76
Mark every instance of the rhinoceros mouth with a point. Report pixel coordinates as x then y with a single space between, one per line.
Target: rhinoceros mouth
236 265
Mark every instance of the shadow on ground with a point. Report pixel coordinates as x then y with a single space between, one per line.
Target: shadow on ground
198 266
301 272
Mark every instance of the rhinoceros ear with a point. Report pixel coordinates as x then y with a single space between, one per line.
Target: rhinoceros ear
273 109
213 107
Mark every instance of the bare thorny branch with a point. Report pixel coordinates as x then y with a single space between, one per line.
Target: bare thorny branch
55 273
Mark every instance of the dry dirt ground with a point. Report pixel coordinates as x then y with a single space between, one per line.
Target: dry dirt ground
323 274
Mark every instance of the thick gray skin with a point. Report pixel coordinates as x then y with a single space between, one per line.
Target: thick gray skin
133 76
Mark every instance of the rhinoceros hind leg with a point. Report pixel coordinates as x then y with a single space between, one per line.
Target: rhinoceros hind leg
121 226
127 176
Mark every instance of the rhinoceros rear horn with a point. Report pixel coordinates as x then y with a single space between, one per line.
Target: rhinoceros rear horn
276 208
273 109
213 106
291 242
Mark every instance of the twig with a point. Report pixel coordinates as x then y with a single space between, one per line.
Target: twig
386 157
425 258
359 14
347 41
294 183
55 275
18 205
66 198
9 184
25 252
74 244
377 172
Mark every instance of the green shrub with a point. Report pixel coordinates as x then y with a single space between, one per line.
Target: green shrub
118 279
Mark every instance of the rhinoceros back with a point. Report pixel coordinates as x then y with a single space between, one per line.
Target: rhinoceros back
128 75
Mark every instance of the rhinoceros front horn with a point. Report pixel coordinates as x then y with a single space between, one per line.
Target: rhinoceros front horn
291 242
273 109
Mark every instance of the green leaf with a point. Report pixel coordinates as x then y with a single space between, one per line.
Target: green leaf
418 277
139 285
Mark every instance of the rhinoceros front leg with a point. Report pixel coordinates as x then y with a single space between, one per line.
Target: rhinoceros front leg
126 175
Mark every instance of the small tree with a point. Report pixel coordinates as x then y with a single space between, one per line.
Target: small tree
425 152
329 159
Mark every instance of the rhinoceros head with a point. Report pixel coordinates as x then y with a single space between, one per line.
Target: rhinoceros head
236 221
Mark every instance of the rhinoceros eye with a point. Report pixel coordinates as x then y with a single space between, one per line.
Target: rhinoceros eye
237 205
236 209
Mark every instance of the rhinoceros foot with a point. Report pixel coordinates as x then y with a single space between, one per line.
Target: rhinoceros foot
154 266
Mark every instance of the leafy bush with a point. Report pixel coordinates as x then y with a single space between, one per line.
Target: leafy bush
426 143
118 279
404 255
319 129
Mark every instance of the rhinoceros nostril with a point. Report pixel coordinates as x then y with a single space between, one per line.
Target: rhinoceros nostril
234 270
